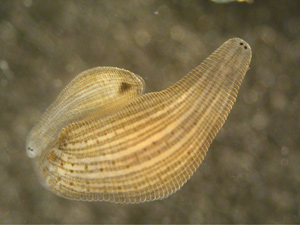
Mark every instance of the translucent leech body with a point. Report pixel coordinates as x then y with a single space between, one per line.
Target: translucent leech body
140 147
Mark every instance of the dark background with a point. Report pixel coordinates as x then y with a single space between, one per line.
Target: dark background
251 173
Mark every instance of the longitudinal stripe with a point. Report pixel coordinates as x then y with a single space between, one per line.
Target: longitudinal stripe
127 140
130 145
137 125
135 148
103 137
116 156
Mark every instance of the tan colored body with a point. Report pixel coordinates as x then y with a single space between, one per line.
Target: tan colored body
150 146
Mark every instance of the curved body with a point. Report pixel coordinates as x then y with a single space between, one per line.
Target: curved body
148 147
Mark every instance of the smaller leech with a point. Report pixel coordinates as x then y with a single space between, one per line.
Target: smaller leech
102 139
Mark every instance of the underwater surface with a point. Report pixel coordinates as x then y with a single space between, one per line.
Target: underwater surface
251 173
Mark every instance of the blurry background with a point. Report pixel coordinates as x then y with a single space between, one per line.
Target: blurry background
251 173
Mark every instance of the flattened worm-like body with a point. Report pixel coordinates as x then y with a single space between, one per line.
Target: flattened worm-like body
103 140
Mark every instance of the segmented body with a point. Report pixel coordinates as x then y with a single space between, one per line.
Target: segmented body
147 148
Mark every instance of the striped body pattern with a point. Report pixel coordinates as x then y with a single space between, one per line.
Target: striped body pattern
129 147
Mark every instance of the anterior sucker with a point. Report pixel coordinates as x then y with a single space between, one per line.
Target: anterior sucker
148 148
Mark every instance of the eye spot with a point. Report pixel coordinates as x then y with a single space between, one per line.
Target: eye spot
124 87
245 47
30 149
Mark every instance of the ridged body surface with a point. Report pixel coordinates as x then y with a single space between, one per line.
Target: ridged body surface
150 146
